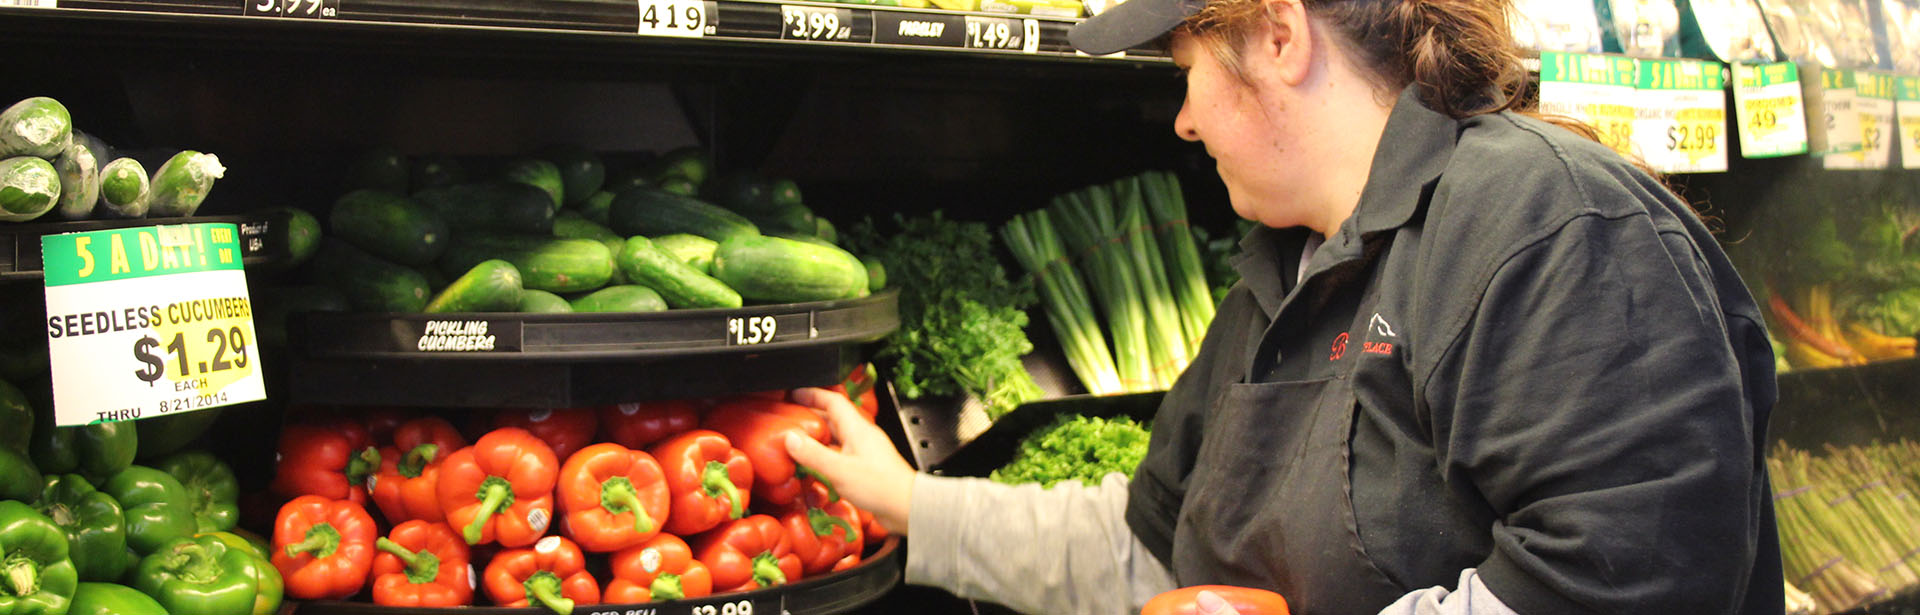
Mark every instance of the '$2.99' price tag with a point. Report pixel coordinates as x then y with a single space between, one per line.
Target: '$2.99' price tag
148 321
676 18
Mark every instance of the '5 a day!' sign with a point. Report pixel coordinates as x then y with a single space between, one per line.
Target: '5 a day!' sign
149 321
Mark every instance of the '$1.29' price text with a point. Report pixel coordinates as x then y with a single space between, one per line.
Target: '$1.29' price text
229 348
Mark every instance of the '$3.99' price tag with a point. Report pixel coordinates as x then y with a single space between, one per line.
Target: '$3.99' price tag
148 321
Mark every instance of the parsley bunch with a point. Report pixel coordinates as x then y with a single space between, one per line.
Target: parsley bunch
962 321
1076 447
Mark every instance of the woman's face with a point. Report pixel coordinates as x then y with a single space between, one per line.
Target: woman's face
1241 128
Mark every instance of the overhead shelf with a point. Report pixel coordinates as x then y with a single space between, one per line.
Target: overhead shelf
507 360
688 22
263 239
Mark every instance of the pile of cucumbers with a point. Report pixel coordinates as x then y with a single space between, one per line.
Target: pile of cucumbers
552 232
48 166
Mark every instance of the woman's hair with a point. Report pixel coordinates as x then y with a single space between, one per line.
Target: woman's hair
1460 52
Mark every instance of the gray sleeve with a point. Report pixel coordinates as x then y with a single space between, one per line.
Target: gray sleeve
1471 597
1061 550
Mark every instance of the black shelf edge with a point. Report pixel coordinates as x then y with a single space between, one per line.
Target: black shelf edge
754 22
515 337
839 592
263 239
995 447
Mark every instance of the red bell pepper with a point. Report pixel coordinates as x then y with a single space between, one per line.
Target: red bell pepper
748 553
710 480
323 548
565 430
636 425
860 387
825 538
553 572
499 489
422 564
759 428
613 497
662 568
410 470
381 421
331 460
870 528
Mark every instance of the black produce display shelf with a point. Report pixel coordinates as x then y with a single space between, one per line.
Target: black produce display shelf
996 446
677 22
510 360
838 592
263 239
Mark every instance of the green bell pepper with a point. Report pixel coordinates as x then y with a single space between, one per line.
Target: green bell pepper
35 576
204 576
155 506
19 479
163 435
96 531
111 599
211 488
272 585
95 451
15 410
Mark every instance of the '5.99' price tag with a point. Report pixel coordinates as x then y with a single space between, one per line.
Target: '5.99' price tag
677 18
148 321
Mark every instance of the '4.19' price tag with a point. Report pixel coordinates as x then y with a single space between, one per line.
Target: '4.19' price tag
677 18
150 321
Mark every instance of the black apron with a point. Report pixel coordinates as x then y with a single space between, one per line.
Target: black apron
1305 544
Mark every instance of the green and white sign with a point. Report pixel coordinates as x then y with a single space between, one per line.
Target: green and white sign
1596 89
1836 135
1770 113
149 321
1680 122
1873 105
1907 110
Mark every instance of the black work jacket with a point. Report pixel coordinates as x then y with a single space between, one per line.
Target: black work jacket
1539 364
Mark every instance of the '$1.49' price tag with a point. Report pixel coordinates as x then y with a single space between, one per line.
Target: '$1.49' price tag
148 321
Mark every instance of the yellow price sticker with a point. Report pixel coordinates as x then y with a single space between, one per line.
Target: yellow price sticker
1614 125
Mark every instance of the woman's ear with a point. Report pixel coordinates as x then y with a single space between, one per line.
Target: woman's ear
1288 44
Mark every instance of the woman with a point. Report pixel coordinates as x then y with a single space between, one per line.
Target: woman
1478 363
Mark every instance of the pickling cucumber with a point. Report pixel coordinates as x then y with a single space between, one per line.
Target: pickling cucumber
491 286
435 171
389 226
37 126
595 207
545 263
622 298
539 174
645 211
505 206
370 283
690 249
776 270
380 168
79 169
183 183
124 191
29 187
678 283
542 302
581 171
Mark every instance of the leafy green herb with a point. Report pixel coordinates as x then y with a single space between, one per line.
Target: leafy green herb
962 321
1077 447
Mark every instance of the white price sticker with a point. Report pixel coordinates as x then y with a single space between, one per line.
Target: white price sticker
1769 111
1872 113
1680 121
1599 90
143 323
1908 111
676 18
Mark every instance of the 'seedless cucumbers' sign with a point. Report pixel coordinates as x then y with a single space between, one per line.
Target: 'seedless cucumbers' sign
149 321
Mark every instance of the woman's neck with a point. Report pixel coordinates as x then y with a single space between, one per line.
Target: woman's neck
1348 115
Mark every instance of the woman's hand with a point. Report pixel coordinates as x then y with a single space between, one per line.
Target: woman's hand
1212 604
866 470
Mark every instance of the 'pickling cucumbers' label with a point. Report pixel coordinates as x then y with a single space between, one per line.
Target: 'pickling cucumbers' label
148 321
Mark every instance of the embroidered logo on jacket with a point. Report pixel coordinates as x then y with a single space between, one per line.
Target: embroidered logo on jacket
1339 347
1380 328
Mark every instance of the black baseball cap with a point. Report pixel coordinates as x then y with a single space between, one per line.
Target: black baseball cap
1130 24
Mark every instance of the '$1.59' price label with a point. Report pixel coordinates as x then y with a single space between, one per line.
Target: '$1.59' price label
148 321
